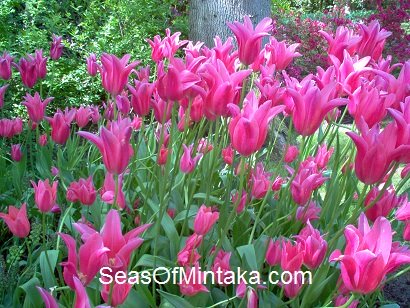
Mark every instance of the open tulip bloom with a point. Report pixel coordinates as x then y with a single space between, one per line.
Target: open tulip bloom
216 178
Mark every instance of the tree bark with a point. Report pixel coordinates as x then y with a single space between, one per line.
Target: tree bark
208 18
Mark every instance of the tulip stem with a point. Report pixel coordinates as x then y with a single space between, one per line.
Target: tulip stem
347 304
405 270
60 227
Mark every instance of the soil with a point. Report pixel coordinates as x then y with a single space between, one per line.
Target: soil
398 291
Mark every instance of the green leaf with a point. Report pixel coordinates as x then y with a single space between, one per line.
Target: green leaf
32 298
175 300
247 252
149 261
48 262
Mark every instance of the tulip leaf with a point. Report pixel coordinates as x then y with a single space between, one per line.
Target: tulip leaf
174 300
247 253
150 261
48 262
32 298
134 300
212 199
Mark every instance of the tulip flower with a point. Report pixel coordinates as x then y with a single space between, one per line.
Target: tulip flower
279 54
241 203
372 40
406 231
16 152
48 299
119 293
340 300
274 252
162 108
190 286
28 71
308 212
141 96
114 144
114 72
108 191
291 260
123 103
369 255
188 255
82 191
92 66
45 194
42 140
56 49
83 116
41 64
60 127
384 205
259 181
2 93
221 265
323 156
228 155
250 39
17 221
167 47
10 128
81 297
188 163
204 220
311 107
35 106
344 39
314 246
291 153
5 66
162 156
248 129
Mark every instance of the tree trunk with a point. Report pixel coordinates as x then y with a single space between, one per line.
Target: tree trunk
208 18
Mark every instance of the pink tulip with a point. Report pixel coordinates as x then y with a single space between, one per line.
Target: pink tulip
311 107
223 88
167 47
259 181
291 153
45 194
114 144
85 265
221 264
123 103
406 231
120 293
228 155
403 212
279 54
48 299
341 300
307 179
344 39
323 156
42 140
314 246
250 39
54 171
5 66
308 212
162 108
114 72
277 183
191 286
35 106
2 93
10 128
56 49
92 66
82 191
141 96
241 203
204 146
60 127
372 40
28 71
248 129
205 219
162 156
95 114
369 255
136 123
188 163
108 191
188 255
291 260
81 297
17 221
41 64
274 252
16 154
384 205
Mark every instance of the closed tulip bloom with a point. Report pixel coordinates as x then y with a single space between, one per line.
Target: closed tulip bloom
308 212
82 191
2 93
344 39
372 40
384 205
41 64
248 129
188 255
190 286
114 144
56 48
123 103
45 194
162 108
119 293
279 54
166 47
322 156
10 128
81 299
17 221
250 39
406 231
228 155
60 128
369 255
16 152
141 95
188 163
92 66
291 153
403 212
114 72
221 264
340 300
83 116
311 107
204 220
291 260
274 252
162 156
35 106
28 71
314 246
48 299
108 191
42 140
259 181
5 66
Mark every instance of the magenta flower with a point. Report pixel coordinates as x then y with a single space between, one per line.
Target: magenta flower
92 66
48 299
291 153
10 128
119 294
190 286
167 47
28 71
259 181
250 39
314 246
205 219
141 96
17 221
187 162
60 127
274 252
384 205
82 191
5 66
45 194
2 93
114 72
279 54
372 40
108 191
35 106
114 144
41 64
16 154
344 39
221 264
56 48
83 116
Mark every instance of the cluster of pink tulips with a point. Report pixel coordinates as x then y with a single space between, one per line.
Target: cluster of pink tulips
175 169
